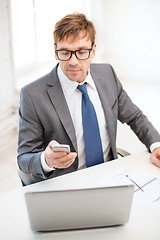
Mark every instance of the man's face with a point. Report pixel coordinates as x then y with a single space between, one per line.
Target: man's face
75 69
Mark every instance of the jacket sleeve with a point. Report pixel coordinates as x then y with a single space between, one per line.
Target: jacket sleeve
30 140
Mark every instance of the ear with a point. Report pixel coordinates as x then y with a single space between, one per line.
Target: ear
93 51
55 53
56 56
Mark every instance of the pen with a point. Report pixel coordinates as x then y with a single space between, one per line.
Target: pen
135 183
156 199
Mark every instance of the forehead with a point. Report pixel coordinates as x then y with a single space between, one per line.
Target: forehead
71 42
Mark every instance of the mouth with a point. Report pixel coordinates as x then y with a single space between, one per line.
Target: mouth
73 70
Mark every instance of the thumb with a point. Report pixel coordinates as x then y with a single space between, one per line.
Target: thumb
52 143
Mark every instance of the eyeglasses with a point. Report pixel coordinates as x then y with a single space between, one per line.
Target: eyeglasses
81 54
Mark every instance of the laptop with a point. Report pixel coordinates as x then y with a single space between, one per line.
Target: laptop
79 208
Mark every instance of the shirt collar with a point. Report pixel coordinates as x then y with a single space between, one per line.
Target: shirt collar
69 86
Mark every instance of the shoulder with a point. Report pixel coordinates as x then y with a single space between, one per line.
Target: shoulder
42 82
102 70
36 84
101 66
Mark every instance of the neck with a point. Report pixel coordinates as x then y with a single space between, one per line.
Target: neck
82 80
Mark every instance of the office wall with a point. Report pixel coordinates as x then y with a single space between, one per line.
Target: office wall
8 97
128 37
7 81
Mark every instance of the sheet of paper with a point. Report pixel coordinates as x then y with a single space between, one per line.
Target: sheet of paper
149 183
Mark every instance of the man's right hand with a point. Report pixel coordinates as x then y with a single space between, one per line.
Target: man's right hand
58 159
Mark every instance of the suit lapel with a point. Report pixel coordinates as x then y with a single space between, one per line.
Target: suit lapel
102 91
57 98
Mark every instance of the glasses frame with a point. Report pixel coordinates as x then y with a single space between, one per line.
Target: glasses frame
75 53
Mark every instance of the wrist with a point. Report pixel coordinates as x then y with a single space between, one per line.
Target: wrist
154 146
44 164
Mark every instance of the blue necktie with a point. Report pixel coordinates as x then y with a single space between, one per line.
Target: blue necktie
92 140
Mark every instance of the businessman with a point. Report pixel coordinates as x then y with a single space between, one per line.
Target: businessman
77 103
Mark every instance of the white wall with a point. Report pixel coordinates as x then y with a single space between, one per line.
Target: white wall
130 37
7 92
8 96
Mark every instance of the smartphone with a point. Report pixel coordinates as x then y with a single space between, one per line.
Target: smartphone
61 148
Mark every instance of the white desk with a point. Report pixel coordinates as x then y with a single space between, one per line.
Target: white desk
144 222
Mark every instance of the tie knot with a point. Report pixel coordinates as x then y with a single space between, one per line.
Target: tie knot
83 88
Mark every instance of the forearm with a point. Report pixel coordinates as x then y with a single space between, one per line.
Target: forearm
31 163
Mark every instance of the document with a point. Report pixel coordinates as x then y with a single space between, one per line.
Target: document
147 186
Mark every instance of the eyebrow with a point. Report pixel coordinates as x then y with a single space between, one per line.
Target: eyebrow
84 47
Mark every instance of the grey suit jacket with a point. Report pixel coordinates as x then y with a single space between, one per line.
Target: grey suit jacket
44 116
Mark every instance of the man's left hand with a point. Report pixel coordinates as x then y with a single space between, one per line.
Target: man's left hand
155 157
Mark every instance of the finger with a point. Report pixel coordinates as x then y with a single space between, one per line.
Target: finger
59 155
67 157
65 162
53 157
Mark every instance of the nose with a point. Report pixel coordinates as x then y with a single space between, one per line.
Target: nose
73 60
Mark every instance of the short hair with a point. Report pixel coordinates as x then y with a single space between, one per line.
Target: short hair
72 25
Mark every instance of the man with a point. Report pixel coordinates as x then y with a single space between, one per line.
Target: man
50 108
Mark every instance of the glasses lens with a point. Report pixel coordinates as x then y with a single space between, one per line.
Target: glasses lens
83 54
63 55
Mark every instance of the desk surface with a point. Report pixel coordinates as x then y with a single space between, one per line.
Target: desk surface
144 222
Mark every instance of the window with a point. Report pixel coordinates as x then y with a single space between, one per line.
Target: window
32 34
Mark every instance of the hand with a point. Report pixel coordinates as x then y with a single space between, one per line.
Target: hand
155 157
58 159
